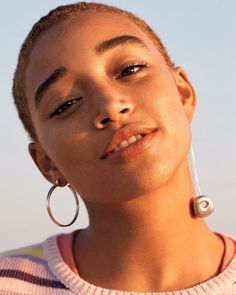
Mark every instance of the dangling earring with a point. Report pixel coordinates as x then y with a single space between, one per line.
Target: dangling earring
202 205
49 209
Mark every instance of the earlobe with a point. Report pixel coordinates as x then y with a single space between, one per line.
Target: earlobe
186 92
45 164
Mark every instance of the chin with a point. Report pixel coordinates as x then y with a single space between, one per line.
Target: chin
137 184
134 181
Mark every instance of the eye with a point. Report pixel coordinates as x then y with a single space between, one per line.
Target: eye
64 106
131 70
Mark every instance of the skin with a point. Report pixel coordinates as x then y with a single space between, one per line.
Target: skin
142 233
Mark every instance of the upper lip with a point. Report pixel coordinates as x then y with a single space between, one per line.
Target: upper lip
123 134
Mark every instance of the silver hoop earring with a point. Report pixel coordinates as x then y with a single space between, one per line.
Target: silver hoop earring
202 205
49 208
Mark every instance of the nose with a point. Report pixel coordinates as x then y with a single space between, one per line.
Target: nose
112 108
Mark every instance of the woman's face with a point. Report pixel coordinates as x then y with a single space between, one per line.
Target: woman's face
95 89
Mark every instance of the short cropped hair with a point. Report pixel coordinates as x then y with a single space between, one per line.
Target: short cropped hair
56 16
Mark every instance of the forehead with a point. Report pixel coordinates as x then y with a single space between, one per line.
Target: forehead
74 40
88 28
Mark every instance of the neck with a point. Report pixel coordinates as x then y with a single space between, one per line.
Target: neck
147 236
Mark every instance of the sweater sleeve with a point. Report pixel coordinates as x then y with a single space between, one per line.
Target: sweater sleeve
26 271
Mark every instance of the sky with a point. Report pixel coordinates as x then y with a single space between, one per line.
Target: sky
200 37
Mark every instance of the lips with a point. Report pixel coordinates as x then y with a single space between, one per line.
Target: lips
123 134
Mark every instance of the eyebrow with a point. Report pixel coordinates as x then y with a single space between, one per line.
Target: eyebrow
117 41
52 79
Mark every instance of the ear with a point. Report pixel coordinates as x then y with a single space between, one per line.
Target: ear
186 92
45 164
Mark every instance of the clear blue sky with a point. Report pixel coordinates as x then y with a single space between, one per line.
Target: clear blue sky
200 37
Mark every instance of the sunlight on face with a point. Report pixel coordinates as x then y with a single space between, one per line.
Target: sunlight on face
84 81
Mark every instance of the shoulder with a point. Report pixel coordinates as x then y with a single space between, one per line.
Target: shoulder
28 259
33 250
28 268
17 263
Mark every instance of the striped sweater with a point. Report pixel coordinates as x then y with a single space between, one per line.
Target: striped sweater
41 270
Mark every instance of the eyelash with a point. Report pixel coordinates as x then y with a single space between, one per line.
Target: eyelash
64 106
67 104
140 66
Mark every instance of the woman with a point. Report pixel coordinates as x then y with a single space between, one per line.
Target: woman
109 114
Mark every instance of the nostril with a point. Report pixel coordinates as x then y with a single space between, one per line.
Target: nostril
124 111
104 121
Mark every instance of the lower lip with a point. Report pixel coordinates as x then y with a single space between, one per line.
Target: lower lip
133 149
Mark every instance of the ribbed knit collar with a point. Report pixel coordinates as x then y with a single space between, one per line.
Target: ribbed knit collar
79 286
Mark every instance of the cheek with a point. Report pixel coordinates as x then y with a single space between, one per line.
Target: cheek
76 161
160 98
71 149
167 110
